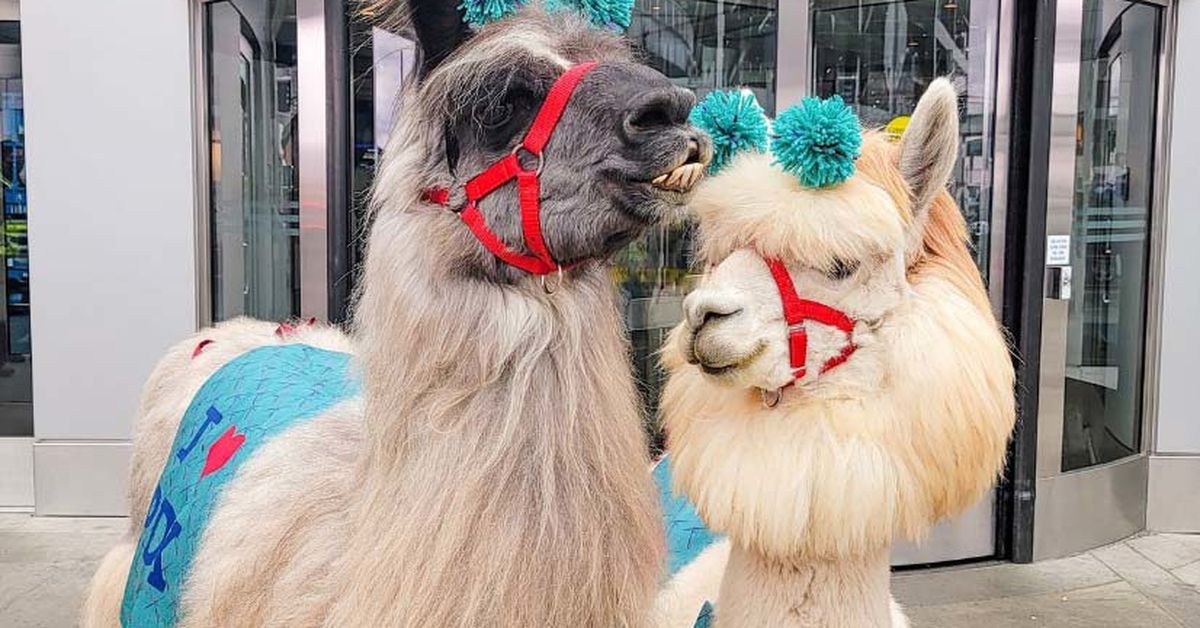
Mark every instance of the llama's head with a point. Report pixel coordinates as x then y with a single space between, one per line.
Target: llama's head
886 403
622 157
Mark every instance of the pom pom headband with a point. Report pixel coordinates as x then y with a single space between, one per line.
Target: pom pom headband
736 123
614 15
816 140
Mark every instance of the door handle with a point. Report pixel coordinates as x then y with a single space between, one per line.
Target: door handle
1058 283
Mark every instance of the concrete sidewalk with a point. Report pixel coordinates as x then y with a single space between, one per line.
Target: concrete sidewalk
1147 581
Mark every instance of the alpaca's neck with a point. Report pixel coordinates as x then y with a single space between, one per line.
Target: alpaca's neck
505 478
760 591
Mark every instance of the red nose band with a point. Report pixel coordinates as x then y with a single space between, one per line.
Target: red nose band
538 260
797 312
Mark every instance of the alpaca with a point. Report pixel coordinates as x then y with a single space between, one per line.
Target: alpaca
480 458
812 443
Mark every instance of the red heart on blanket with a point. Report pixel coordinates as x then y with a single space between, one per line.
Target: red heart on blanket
222 450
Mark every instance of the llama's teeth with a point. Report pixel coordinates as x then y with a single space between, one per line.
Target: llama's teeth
680 179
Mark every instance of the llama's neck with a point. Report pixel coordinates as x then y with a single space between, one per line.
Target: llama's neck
846 593
505 477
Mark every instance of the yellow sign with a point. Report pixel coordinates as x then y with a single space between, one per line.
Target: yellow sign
895 128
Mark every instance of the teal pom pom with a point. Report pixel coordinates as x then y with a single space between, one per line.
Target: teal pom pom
735 121
611 14
480 12
818 141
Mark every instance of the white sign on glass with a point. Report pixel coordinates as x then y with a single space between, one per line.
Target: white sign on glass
1058 250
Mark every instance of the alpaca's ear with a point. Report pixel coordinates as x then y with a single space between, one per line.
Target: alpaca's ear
928 151
440 30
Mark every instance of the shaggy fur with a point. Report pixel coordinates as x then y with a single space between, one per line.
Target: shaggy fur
906 433
494 471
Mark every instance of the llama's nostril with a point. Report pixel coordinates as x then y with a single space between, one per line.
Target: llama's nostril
706 316
716 315
655 111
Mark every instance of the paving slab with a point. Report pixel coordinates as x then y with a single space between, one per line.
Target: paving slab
1176 597
970 583
45 565
1115 605
1189 573
1169 551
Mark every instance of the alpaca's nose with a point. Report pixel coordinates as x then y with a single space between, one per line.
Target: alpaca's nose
657 110
703 307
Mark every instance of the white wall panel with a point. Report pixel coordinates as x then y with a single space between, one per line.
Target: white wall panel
108 97
1179 396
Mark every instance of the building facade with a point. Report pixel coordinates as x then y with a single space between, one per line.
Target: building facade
214 161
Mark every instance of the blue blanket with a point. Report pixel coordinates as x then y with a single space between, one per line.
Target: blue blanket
246 402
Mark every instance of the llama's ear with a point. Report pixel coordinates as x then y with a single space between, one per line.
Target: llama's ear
928 151
440 29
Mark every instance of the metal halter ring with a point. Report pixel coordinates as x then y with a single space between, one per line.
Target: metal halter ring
557 284
771 398
541 158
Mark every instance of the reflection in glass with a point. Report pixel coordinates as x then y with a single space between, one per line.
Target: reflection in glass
252 131
880 57
1114 171
702 45
381 63
16 382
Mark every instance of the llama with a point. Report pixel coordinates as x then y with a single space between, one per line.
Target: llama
491 470
877 405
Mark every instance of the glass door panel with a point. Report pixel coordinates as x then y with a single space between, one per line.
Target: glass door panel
254 188
1114 168
880 57
1092 471
702 45
16 351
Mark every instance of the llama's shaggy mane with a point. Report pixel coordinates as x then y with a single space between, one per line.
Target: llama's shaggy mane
509 443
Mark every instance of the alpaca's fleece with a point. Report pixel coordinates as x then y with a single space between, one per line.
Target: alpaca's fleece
912 429
841 477
855 220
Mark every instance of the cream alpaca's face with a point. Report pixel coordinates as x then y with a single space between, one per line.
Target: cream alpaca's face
847 247
735 329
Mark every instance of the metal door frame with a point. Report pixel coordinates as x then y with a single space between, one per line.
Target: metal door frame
1084 508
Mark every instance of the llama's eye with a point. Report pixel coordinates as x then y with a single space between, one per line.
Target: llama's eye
841 269
492 115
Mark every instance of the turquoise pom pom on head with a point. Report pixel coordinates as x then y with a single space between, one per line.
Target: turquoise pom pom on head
735 121
818 141
480 12
614 15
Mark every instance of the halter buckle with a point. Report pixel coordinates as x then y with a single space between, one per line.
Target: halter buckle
547 288
540 156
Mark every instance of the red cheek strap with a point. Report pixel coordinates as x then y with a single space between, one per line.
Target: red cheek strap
797 312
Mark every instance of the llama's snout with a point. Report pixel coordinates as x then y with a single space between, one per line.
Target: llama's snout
719 341
710 306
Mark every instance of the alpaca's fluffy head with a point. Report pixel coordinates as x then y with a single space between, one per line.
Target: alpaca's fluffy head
907 431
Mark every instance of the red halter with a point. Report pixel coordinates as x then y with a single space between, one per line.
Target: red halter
796 312
539 260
